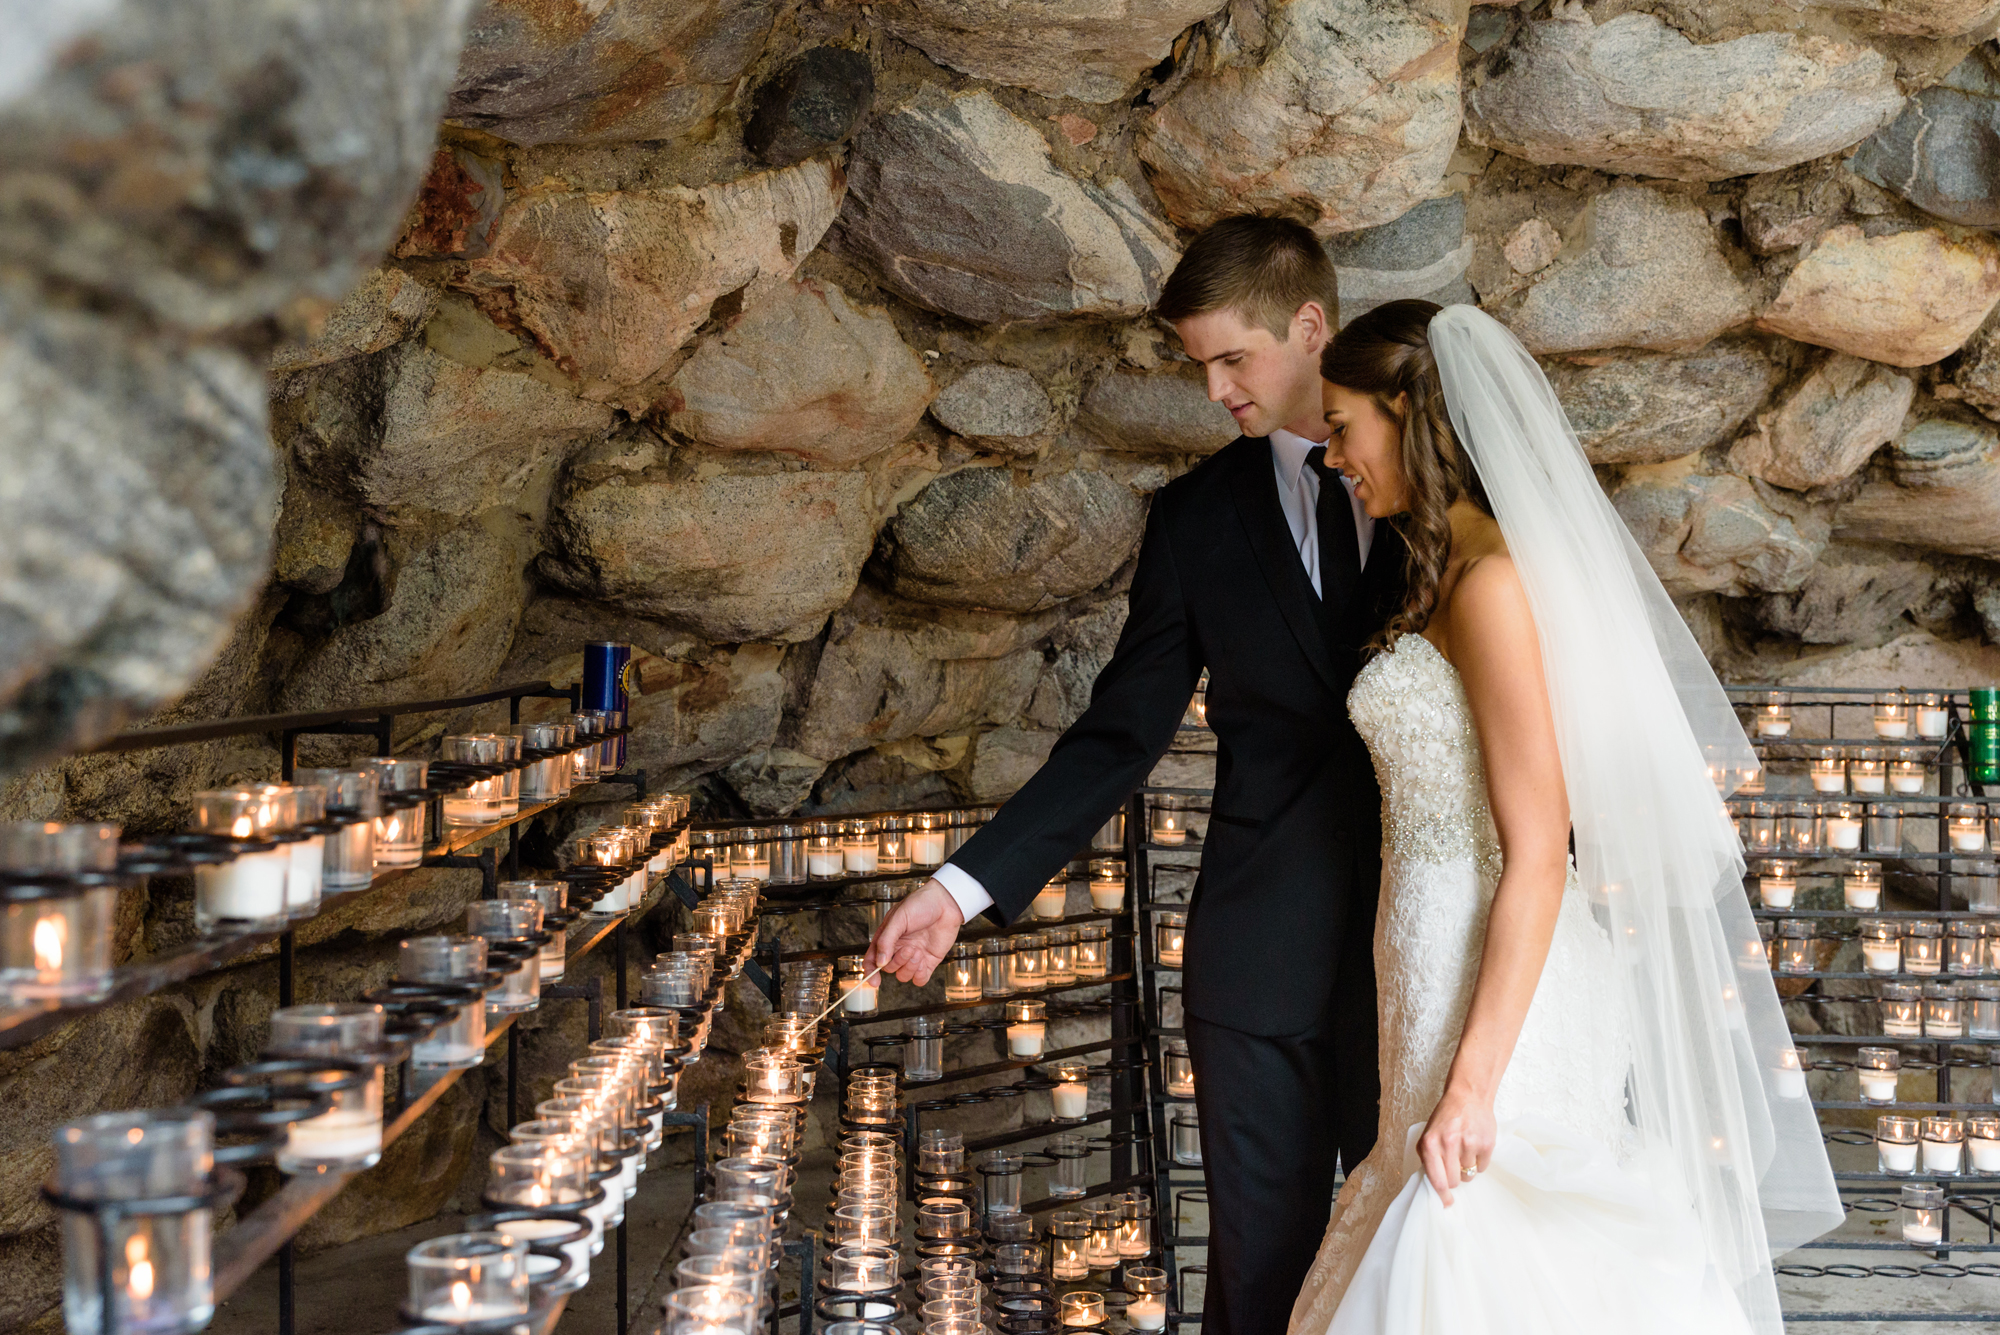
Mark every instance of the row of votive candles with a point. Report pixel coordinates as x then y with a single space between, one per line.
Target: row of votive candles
554 777
1897 714
829 850
1106 886
725 1281
1940 1010
1941 1146
1878 1071
1809 827
1001 966
1866 771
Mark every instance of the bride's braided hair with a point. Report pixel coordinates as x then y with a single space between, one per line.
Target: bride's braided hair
1383 353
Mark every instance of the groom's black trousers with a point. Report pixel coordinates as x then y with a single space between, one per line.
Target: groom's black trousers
1274 1114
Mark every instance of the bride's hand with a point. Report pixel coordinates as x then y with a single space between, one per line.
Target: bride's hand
1457 1143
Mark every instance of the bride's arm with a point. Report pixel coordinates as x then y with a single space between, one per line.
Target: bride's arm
1493 646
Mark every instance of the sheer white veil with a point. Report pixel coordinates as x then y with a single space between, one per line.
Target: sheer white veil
1647 738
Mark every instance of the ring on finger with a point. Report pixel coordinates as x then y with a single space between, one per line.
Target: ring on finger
1467 1173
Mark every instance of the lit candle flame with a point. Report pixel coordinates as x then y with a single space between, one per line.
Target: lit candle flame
49 936
243 828
140 1270
461 1295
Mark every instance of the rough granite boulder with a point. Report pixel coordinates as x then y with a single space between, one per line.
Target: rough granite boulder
1651 274
957 203
1634 97
1423 254
811 105
611 284
802 372
1000 407
1090 50
1002 760
614 70
1352 115
1943 153
1851 595
1825 428
1944 492
995 538
1915 18
387 308
1649 407
1156 412
1907 298
1706 534
1082 647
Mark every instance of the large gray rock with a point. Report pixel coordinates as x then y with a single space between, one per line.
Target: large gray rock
1156 412
1002 407
451 613
1082 646
610 285
1780 210
1944 495
1708 534
1351 115
803 372
775 782
890 672
615 70
991 537
1090 50
1647 408
730 556
1826 428
1422 255
1635 97
1943 153
1975 372
1002 760
1908 298
409 432
811 105
387 308
956 202
1915 18
1851 595
1650 274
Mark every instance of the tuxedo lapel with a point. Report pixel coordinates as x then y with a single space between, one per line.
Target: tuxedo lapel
1254 485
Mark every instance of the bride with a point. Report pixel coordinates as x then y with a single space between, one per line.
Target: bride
1580 1123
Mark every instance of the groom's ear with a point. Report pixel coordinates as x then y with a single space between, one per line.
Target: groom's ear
1312 327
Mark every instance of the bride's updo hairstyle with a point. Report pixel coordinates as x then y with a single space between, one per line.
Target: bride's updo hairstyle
1383 353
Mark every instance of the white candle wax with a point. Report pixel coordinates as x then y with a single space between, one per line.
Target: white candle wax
302 886
1072 1099
658 862
1943 1156
1871 783
1923 1235
1935 1028
1789 1081
1863 897
1896 1157
1909 783
1025 1039
1184 1089
927 848
824 862
1067 1268
1892 727
1146 1313
251 886
1878 1086
1169 837
435 1052
1835 782
1777 892
1931 721
467 810
1897 1027
960 990
755 871
1171 956
1080 1319
1107 896
534 1230
456 1315
1968 841
339 1134
1881 956
1985 1155
1050 903
1773 727
859 858
859 996
1843 832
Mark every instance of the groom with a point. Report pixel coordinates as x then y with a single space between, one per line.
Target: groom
1259 566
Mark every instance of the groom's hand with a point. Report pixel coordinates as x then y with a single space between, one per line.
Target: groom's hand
914 937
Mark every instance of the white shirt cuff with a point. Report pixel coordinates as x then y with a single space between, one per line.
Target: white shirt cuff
967 893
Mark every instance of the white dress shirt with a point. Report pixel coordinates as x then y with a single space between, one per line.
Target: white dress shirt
1298 496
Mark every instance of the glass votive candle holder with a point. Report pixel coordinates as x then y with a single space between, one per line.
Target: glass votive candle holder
1027 1027
1760 827
940 1153
1030 962
1060 970
1184 1136
304 818
1107 884
750 857
1178 1068
825 858
864 1225
1788 1074
1093 950
1068 1175
1828 767
1794 947
1965 947
1052 900
1882 945
860 847
1930 714
510 921
1841 826
1892 714
1944 1010
399 830
1943 1145
1868 772
1170 937
923 1049
1982 1010
457 960
1923 946
587 760
464 1278
1965 823
1861 887
860 990
1070 1099
1169 819
893 844
959 974
944 1220
1110 836
1148 1286
1908 770
55 938
1135 1225
726 1272
347 1137
1921 1207
864 1268
552 896
1069 1245
1982 1142
1082 1309
1896 1145
996 968
1002 1172
928 837
248 892
710 1311
1798 827
1103 1249
1774 714
352 805
153 1268
1979 881
1902 1010
1884 828
770 1077
551 1172
479 802
1778 882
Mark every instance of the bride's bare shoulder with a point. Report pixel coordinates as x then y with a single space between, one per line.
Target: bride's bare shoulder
1488 606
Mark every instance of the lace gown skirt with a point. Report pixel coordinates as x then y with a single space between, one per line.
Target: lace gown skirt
1567 1230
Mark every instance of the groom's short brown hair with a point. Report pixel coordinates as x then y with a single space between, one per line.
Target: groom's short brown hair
1262 267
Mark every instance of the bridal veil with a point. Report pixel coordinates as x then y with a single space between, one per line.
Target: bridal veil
1650 746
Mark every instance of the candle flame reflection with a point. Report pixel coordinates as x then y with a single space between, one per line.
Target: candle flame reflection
139 1282
461 1295
48 942
243 828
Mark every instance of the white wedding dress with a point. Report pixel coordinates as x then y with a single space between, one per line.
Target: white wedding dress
1567 1233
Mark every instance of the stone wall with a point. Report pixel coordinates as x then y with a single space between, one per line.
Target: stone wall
803 343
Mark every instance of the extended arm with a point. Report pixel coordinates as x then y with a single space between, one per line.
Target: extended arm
1494 647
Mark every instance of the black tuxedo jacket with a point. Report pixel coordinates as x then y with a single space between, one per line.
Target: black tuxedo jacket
1290 869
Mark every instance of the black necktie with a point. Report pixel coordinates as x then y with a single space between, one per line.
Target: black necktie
1339 545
